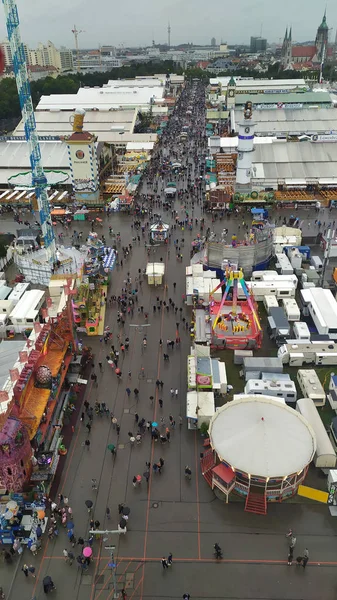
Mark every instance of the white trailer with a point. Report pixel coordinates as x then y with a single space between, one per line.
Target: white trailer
330 358
301 353
283 264
26 312
320 304
301 331
268 276
280 389
260 289
311 386
270 302
291 309
18 292
260 275
325 456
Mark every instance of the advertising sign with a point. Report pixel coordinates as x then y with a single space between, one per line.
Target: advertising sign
332 137
289 106
83 168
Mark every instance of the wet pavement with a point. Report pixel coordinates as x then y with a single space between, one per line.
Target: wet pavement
170 514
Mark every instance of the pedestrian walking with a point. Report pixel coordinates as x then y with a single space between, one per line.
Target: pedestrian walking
118 429
87 444
107 513
305 558
290 556
186 596
163 563
94 484
170 559
136 417
25 570
88 426
160 402
65 554
292 542
128 391
124 594
188 472
176 393
172 392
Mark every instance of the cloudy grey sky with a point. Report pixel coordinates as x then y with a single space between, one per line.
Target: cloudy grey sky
135 22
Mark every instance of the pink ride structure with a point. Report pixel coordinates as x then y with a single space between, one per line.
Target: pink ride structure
235 324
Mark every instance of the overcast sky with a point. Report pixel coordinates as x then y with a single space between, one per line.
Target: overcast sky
135 22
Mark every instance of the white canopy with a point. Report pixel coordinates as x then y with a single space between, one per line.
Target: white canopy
262 437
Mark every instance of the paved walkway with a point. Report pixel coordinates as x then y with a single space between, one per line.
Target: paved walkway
171 514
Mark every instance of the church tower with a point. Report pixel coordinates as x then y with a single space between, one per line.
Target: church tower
322 38
286 55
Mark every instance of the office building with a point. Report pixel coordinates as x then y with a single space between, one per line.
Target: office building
258 44
66 57
8 53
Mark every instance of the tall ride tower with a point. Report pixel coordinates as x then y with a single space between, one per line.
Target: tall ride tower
169 35
39 179
245 150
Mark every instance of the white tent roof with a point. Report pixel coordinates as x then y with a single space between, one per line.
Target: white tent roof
199 405
262 437
105 98
155 269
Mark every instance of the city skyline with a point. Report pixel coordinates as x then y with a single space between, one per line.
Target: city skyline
133 25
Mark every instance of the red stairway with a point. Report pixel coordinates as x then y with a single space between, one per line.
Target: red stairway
207 462
256 503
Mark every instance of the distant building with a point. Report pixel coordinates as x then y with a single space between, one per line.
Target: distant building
307 56
213 42
202 64
220 65
108 51
36 72
8 53
257 44
45 56
66 57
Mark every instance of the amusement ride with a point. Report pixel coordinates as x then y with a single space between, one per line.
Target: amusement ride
234 321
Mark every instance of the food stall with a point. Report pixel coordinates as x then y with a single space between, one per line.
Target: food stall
155 273
159 232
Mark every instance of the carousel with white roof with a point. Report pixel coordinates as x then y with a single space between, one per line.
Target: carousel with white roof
260 449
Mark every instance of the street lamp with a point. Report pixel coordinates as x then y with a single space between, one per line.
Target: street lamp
112 564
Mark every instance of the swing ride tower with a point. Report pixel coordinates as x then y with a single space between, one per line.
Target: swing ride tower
38 266
39 180
235 321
